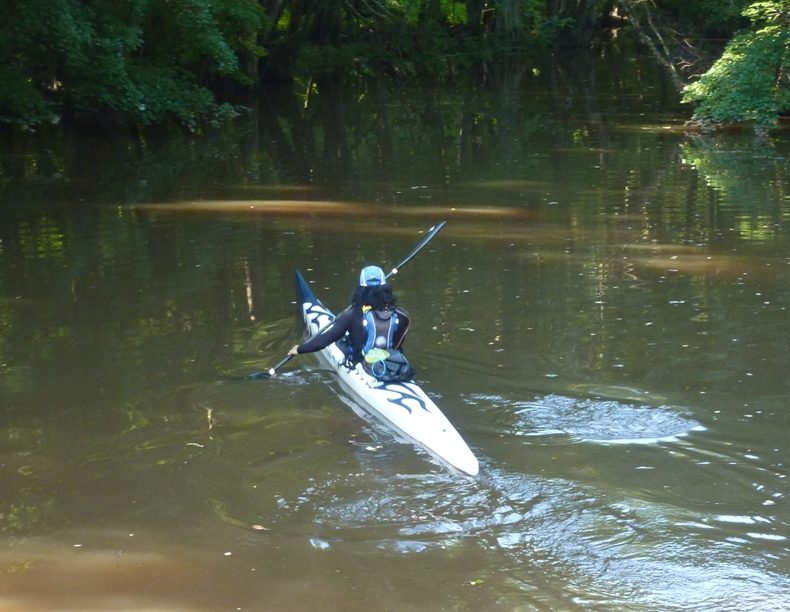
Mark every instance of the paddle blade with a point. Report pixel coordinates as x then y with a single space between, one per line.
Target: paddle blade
426 239
270 373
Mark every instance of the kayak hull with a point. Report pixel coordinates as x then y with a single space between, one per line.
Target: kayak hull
404 407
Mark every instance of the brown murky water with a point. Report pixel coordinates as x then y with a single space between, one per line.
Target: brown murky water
604 319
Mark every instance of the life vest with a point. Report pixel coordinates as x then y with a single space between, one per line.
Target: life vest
381 326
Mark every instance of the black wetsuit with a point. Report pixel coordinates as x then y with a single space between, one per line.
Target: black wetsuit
350 321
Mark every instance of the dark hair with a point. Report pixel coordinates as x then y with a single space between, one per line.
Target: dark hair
378 297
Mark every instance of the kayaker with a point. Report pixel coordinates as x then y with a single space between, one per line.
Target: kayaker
372 321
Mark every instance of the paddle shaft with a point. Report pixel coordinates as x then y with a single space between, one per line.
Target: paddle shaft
425 240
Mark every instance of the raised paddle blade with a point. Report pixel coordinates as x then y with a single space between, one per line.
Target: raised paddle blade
426 239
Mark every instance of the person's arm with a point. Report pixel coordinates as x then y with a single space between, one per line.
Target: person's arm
331 334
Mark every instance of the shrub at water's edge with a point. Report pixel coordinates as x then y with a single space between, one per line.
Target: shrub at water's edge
749 83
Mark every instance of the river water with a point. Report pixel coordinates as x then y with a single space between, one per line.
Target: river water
603 318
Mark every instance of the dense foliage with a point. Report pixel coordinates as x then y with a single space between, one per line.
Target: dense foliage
142 58
151 61
750 83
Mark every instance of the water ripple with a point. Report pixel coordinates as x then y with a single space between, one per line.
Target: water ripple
589 420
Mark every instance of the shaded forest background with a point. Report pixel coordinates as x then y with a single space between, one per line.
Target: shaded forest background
184 61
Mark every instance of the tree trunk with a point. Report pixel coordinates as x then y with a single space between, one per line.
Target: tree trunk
327 22
638 13
584 14
508 18
474 15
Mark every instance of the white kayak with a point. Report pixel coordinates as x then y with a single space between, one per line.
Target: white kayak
402 406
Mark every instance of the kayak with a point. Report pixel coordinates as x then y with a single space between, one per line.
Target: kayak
402 406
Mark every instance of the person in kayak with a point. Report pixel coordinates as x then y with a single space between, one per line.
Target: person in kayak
372 321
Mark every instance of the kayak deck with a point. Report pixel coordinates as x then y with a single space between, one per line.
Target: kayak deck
402 406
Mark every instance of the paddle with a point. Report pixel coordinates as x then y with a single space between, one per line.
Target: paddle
425 240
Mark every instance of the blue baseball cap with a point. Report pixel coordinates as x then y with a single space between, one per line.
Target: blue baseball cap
371 276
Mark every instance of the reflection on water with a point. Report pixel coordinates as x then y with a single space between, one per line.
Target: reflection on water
603 320
308 207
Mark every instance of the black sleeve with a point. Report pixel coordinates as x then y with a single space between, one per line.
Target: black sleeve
331 334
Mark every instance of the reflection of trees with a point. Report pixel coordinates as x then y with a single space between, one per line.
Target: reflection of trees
107 321
751 176
85 309
335 128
